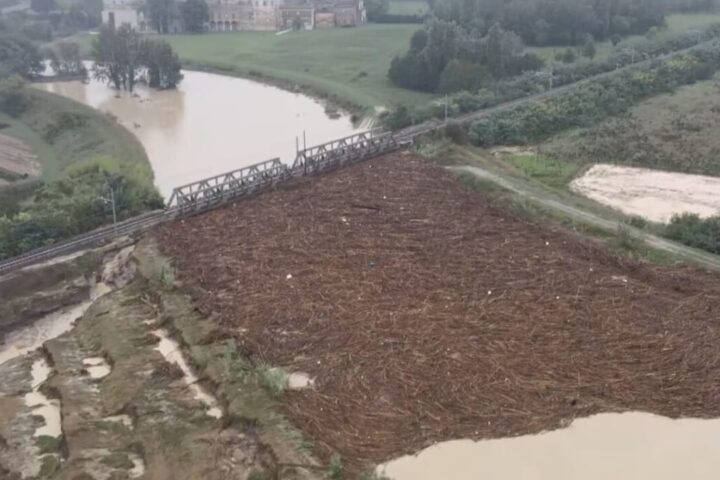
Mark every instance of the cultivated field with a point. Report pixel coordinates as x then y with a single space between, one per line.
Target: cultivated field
425 312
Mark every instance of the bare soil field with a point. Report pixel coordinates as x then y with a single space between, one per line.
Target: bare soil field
652 194
425 312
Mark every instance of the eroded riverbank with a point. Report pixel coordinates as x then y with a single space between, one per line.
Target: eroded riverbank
137 387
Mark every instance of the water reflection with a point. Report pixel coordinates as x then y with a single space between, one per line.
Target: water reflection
211 124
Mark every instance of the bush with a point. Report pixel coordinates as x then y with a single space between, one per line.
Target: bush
595 100
74 204
693 231
508 89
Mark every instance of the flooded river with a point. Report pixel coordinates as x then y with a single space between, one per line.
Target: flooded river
635 445
211 124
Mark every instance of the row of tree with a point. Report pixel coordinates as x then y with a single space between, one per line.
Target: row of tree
595 100
555 22
530 83
445 57
122 58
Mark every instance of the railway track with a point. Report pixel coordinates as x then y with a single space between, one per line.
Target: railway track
343 151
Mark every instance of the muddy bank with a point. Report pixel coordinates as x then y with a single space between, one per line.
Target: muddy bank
652 194
34 291
426 313
124 406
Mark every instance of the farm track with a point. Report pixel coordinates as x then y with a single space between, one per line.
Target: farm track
692 255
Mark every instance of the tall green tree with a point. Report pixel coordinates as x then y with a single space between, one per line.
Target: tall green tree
161 13
19 57
161 63
194 14
65 59
588 48
117 56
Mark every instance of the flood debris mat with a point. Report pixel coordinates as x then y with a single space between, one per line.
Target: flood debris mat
425 311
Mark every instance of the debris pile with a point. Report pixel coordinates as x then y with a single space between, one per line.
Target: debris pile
425 312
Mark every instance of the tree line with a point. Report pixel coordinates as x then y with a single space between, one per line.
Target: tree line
595 100
122 58
564 22
531 83
446 57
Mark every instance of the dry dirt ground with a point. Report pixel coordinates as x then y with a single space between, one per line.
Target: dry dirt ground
427 312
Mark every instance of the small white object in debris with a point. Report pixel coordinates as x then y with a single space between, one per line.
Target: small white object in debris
489 292
344 220
547 243
299 381
289 277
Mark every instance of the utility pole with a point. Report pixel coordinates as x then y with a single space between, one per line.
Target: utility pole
112 203
551 78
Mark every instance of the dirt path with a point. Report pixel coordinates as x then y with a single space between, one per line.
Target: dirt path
521 188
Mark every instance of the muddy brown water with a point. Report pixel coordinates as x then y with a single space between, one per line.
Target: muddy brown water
632 445
211 124
653 194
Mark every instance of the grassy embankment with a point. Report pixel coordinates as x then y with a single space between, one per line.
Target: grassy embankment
81 152
62 132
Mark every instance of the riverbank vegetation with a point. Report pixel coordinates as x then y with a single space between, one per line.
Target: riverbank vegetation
83 153
122 58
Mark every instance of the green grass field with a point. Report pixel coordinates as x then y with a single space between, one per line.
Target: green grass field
350 64
408 7
99 136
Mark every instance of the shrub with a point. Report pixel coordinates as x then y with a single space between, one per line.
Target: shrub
693 231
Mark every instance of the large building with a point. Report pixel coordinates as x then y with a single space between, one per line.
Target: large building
235 15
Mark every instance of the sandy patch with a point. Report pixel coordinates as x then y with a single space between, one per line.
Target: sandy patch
17 157
652 194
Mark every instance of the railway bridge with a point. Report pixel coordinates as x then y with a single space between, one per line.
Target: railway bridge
212 192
